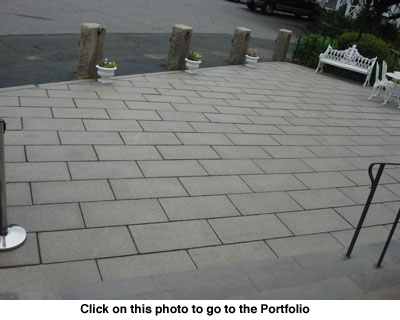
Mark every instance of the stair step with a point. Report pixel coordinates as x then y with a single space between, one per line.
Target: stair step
324 274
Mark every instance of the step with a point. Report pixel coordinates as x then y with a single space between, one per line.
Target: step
324 275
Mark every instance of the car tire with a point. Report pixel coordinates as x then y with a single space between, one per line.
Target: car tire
267 8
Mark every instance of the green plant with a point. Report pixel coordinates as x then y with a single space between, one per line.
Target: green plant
369 46
310 47
194 56
105 63
252 53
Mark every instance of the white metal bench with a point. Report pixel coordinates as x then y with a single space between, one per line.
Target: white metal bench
348 59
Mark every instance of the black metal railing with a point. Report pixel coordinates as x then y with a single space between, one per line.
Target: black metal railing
374 186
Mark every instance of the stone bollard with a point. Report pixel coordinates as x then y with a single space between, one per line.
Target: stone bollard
240 44
281 45
179 45
90 49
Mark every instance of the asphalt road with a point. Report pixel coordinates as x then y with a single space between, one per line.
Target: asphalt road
39 39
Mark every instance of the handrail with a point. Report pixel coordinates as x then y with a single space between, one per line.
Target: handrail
374 185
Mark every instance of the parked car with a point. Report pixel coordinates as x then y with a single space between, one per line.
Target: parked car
309 8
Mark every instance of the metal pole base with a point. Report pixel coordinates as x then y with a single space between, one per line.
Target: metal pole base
14 238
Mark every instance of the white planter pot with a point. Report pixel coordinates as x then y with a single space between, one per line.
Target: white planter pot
192 66
251 62
105 74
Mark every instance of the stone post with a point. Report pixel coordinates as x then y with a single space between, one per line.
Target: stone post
90 48
281 45
240 44
179 45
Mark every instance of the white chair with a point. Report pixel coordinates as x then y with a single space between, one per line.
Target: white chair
379 85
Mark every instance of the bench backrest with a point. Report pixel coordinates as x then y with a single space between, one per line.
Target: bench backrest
349 56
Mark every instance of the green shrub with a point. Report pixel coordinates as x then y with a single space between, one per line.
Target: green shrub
310 47
369 46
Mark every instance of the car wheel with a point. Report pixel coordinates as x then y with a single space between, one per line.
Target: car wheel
267 8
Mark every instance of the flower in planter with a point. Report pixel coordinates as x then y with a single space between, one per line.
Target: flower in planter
105 63
194 56
252 53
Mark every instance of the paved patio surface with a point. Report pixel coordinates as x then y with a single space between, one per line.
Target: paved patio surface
170 172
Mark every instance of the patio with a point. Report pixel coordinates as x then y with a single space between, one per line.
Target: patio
169 172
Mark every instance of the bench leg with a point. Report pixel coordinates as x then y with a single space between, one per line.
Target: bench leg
320 66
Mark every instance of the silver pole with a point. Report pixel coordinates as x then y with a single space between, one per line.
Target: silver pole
11 236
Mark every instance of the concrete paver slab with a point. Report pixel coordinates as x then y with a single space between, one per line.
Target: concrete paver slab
85 244
173 235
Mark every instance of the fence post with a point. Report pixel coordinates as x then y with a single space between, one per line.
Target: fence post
281 45
90 49
240 44
179 45
11 236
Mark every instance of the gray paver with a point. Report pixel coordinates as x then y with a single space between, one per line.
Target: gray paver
103 104
124 212
273 182
166 126
71 191
377 214
47 217
60 153
230 118
104 170
90 138
85 244
147 188
241 229
323 198
74 113
25 112
18 194
150 138
127 153
133 114
173 236
144 265
360 194
271 202
215 127
313 221
45 277
47 102
329 164
231 254
204 139
367 235
189 208
282 152
182 116
112 125
174 168
324 180
26 172
259 128
72 94
31 138
241 152
214 185
293 246
53 124
187 152
9 101
251 140
27 254
14 153
135 105
230 167
283 165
